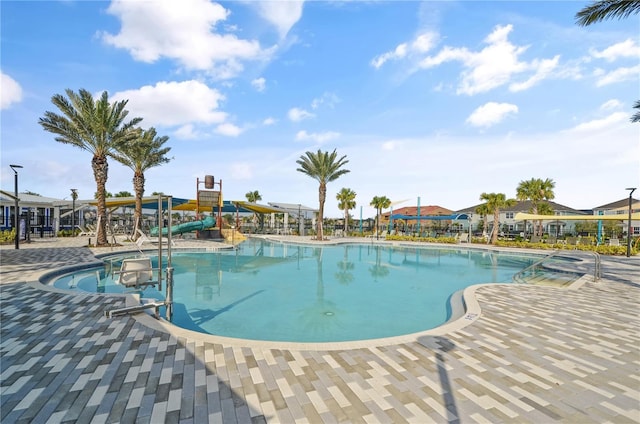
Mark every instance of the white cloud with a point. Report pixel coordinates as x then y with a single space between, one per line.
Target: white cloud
624 49
391 145
296 114
399 52
542 68
174 103
327 99
603 123
421 44
618 75
281 14
182 31
187 132
612 104
10 92
269 121
229 130
493 66
491 113
317 137
259 84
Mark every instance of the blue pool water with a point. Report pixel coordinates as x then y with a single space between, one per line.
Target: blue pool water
280 292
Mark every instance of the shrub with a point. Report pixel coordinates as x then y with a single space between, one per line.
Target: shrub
7 235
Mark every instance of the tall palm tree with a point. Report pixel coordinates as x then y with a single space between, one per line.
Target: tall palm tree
346 200
94 125
323 167
141 154
379 202
495 202
484 212
602 10
253 197
536 190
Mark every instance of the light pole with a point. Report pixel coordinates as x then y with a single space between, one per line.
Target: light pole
632 189
17 218
74 196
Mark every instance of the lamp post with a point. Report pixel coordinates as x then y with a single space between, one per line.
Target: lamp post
17 218
74 196
632 189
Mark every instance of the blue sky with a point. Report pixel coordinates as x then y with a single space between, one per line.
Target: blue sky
439 100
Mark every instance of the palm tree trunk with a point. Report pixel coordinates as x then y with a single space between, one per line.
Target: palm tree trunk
100 172
346 221
138 187
322 195
496 223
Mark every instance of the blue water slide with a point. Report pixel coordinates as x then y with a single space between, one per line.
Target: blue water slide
187 227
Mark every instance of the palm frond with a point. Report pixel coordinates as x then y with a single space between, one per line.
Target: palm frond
606 9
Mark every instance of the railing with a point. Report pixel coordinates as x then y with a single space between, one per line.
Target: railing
520 277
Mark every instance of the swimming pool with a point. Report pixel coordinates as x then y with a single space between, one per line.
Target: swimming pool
303 293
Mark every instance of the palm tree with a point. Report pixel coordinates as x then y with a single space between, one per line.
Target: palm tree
379 202
141 154
96 126
346 200
484 212
536 190
323 167
495 202
636 116
253 197
606 9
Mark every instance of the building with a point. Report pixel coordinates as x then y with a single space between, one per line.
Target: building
621 207
38 215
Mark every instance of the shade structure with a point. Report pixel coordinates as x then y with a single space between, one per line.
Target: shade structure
520 216
147 202
228 206
431 217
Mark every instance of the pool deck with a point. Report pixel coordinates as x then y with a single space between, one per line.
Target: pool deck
529 354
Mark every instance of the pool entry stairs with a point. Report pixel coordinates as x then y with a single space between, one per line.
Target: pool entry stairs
550 272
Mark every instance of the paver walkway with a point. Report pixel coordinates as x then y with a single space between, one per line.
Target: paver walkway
535 355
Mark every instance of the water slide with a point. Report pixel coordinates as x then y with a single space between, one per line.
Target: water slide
187 227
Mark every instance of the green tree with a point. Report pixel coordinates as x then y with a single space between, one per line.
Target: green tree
379 202
323 167
495 202
253 197
537 190
123 194
346 200
601 10
146 151
484 212
94 125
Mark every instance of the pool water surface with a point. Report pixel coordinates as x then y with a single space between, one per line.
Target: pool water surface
302 293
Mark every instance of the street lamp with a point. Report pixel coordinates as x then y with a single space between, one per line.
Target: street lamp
74 196
632 189
17 218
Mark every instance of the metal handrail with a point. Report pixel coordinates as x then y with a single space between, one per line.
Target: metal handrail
597 266
517 277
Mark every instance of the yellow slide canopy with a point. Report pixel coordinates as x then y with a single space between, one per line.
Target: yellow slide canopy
520 216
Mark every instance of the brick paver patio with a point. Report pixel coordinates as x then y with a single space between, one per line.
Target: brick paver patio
534 355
